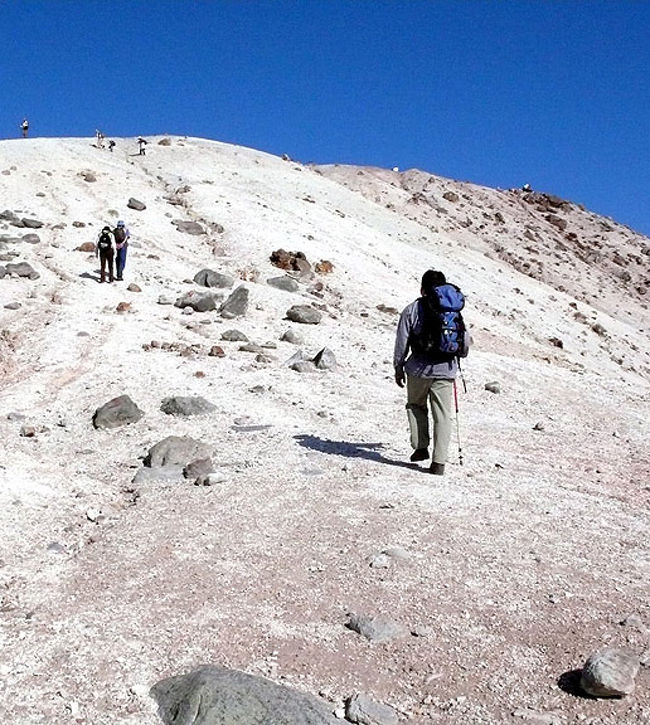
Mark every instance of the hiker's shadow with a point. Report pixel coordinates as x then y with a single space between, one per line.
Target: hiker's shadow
87 275
368 451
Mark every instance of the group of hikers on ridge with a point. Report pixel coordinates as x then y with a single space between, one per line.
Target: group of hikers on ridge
111 247
433 331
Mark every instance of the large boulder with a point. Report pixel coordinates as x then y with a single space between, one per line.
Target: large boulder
210 278
234 336
198 301
610 673
220 696
184 406
175 451
361 709
193 228
236 305
287 284
325 359
304 314
22 269
136 204
117 412
32 223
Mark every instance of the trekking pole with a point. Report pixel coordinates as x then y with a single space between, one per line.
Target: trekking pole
460 450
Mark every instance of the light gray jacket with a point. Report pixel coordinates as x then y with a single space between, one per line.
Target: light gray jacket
418 365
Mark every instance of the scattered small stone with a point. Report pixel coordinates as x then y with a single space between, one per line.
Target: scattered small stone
135 204
451 196
133 287
292 336
88 176
185 406
93 515
216 351
78 225
13 306
193 228
538 426
236 305
250 347
388 310
556 342
123 307
325 359
234 336
210 479
200 467
56 547
165 300
263 359
175 451
610 673
22 269
295 261
304 314
375 628
493 387
31 223
117 412
27 431
287 284
324 267
31 238
197 301
210 278
361 709
165 142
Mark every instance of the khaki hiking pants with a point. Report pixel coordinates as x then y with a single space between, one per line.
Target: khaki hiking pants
440 394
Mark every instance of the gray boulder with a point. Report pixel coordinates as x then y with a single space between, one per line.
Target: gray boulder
184 406
210 278
31 238
117 412
234 336
375 628
198 301
220 696
303 366
325 359
237 304
8 216
304 314
31 223
198 469
295 338
287 284
361 709
493 387
175 451
160 473
3 271
22 269
135 204
193 228
610 673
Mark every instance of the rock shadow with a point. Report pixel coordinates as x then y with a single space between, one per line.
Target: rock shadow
87 275
347 449
569 682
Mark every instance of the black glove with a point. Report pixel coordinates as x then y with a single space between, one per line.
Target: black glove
399 377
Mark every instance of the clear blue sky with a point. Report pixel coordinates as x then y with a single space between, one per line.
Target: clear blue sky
500 92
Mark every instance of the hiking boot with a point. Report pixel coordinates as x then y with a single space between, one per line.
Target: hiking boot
420 454
438 469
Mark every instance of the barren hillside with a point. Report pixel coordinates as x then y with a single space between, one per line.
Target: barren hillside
504 575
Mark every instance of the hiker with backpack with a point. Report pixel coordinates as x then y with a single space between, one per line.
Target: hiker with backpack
432 329
105 250
122 236
25 127
142 142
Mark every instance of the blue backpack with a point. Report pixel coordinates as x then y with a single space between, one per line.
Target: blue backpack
442 336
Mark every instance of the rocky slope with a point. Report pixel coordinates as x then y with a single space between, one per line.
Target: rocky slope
504 575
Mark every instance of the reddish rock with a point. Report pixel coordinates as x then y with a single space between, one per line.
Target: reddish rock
216 351
86 247
123 307
324 267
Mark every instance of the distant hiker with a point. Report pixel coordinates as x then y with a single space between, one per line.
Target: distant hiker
100 139
141 144
25 127
526 187
111 145
106 252
432 328
121 234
